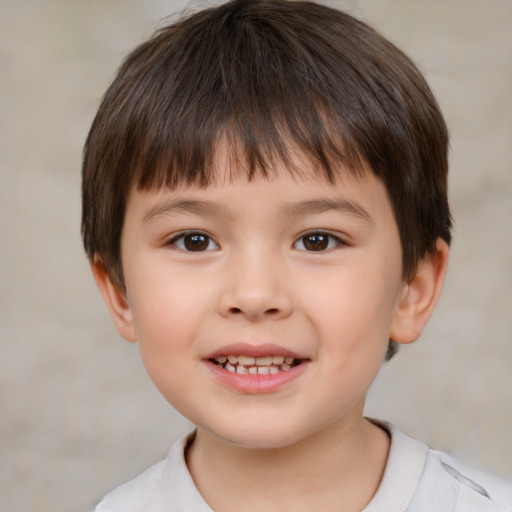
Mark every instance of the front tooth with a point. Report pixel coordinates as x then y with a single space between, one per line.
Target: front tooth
264 361
241 369
253 370
263 370
277 360
246 360
288 360
274 369
233 359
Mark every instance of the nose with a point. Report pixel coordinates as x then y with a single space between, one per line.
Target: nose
256 289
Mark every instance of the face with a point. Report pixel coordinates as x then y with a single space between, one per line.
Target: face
263 309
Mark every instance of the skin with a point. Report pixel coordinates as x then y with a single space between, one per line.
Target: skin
303 445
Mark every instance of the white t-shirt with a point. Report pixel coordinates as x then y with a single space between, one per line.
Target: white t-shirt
416 479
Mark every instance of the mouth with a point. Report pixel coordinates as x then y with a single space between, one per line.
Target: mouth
254 369
249 365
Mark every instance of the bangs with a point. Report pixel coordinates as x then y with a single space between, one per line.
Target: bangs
242 83
251 146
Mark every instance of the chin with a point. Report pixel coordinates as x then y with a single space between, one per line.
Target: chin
261 437
260 441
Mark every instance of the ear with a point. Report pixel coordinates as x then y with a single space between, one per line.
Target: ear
419 296
116 301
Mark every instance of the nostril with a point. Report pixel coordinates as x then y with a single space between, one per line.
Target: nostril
269 312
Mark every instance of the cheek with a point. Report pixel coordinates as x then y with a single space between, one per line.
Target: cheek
164 302
166 316
353 311
166 330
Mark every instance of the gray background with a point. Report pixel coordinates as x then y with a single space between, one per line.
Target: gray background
78 414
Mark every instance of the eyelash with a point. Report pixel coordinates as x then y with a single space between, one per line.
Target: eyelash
332 241
181 237
322 238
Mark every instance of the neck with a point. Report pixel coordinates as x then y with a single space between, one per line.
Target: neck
339 468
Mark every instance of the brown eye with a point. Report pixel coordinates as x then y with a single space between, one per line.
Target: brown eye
195 242
317 242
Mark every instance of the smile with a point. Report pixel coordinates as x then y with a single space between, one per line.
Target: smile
248 365
254 369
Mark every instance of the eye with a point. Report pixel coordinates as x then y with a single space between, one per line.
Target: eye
317 241
194 242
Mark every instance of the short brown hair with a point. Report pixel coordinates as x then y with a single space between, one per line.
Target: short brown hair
267 76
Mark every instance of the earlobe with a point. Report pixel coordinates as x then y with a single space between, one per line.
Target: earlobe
116 301
419 296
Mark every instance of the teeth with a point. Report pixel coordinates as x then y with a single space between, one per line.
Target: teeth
247 365
246 360
264 361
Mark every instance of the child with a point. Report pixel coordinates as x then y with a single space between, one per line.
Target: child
265 212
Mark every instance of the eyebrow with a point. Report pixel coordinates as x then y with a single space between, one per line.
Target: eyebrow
324 205
301 208
181 205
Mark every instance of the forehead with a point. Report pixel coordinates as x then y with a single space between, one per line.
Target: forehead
232 158
284 191
229 162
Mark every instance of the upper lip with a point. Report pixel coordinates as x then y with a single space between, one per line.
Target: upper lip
254 350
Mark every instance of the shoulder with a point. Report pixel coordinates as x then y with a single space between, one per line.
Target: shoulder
135 495
419 479
166 486
475 487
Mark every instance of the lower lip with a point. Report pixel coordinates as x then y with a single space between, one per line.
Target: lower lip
255 384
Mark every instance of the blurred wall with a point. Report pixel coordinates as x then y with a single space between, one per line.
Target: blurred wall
78 414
